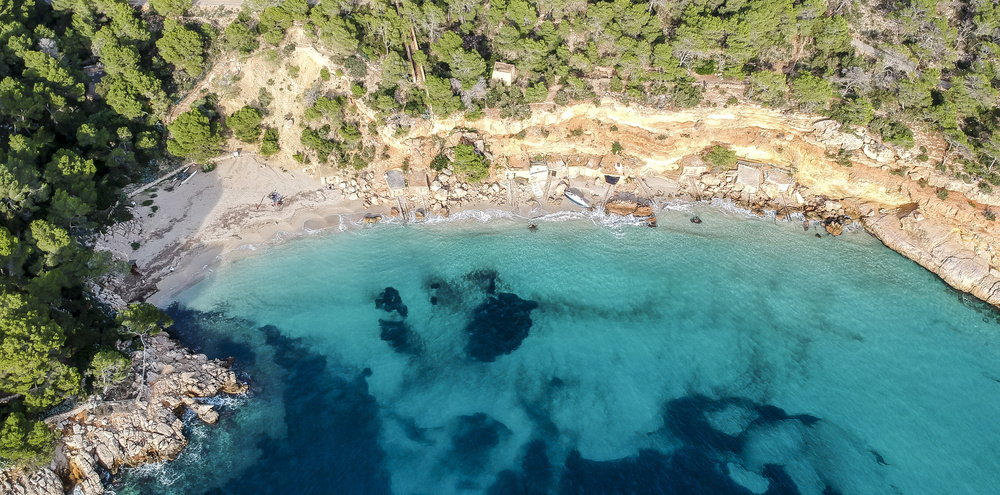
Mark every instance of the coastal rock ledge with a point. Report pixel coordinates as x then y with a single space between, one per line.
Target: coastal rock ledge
102 436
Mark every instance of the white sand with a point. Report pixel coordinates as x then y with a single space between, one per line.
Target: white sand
215 217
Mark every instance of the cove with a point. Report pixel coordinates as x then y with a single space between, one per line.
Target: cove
738 355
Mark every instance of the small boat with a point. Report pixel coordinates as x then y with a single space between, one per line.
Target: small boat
576 198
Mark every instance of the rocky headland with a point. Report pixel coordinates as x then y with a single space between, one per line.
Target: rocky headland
100 437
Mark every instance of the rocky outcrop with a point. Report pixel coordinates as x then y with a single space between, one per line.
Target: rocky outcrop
40 482
621 205
103 436
939 249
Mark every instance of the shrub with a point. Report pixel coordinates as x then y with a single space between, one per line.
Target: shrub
356 68
536 93
687 95
439 162
324 74
844 158
357 90
22 440
264 98
107 367
245 124
269 146
561 98
893 132
942 194
705 68
616 148
990 215
616 85
470 163
722 157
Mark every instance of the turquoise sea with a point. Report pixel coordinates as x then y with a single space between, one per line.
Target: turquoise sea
739 355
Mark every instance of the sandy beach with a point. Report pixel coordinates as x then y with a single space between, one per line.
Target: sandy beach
187 226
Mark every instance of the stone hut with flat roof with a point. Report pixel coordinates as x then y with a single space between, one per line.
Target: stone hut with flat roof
503 72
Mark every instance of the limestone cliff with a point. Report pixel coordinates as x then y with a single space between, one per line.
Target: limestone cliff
103 436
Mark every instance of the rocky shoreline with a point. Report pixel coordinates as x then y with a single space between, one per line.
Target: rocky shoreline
100 437
790 167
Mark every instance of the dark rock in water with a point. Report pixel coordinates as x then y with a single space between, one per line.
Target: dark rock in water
695 219
498 326
435 285
485 279
397 334
780 482
689 470
535 476
390 301
686 419
434 300
773 414
475 437
818 236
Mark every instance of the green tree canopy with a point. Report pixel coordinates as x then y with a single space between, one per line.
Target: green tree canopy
245 124
171 8
722 157
470 163
182 47
241 38
192 136
811 92
22 440
144 319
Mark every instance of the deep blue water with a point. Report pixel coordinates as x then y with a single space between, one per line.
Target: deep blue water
735 356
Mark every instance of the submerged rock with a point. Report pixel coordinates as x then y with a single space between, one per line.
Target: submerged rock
498 326
397 334
390 301
474 438
394 330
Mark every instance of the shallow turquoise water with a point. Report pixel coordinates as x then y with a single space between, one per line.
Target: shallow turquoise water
734 356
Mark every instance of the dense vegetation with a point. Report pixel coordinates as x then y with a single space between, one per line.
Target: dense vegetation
85 87
924 63
68 144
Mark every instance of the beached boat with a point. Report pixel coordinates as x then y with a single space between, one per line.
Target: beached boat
576 198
